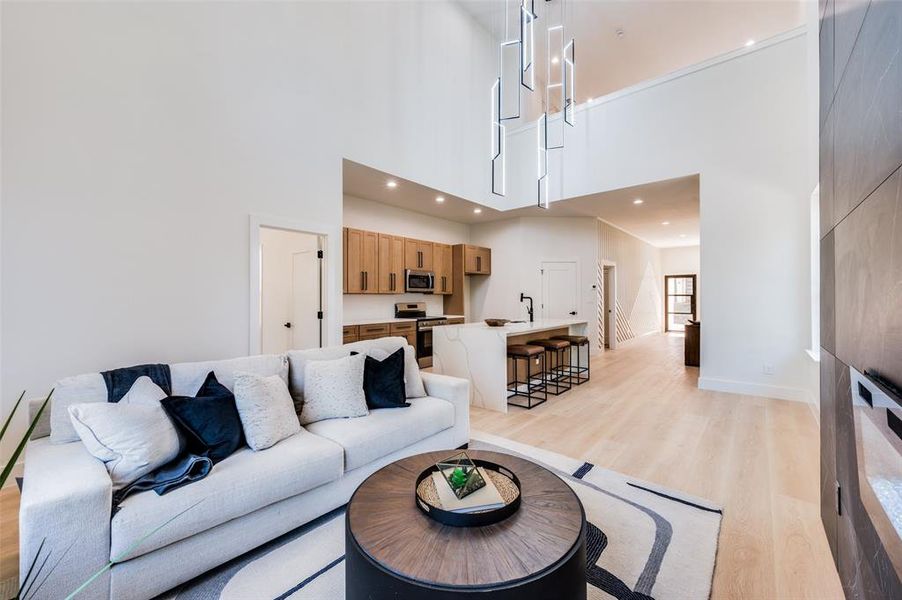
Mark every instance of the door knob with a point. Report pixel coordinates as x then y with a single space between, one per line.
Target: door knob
572 312
288 325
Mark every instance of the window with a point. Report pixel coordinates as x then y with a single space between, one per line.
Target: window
679 301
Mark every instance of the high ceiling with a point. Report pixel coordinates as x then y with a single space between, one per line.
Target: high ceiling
658 36
674 201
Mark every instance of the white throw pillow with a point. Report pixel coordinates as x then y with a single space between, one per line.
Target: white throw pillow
132 437
266 410
334 389
78 389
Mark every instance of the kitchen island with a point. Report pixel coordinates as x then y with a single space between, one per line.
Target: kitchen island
478 353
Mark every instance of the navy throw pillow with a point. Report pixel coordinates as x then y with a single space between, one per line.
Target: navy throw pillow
383 381
209 421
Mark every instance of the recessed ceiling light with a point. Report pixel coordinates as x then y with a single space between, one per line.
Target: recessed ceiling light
638 201
665 222
555 60
477 210
750 43
439 199
682 235
589 99
392 183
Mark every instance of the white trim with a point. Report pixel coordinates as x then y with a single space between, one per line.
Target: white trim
331 244
748 388
707 64
814 355
612 320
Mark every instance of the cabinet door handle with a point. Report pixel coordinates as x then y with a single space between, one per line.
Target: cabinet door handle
479 263
362 282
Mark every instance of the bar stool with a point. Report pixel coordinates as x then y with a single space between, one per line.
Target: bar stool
557 374
577 370
534 391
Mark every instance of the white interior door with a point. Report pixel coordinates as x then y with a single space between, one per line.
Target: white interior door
306 324
560 290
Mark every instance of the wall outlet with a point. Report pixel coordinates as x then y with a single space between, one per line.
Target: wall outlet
767 369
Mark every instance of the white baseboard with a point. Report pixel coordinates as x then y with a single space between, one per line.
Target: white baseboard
754 389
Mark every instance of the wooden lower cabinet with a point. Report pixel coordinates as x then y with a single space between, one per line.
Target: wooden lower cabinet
374 331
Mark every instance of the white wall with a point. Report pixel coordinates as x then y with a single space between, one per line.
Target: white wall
639 281
382 218
519 246
742 124
684 260
138 138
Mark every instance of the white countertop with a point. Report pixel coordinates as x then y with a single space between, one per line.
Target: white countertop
378 320
520 328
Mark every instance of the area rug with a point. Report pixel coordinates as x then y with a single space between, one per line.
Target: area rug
643 541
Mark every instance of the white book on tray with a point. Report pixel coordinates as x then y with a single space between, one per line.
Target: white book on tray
485 498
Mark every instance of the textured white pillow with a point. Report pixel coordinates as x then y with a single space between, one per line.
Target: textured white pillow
334 389
66 392
132 437
266 409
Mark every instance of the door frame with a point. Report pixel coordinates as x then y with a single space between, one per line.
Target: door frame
542 298
611 317
694 298
329 242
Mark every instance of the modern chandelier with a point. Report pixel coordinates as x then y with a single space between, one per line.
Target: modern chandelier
517 66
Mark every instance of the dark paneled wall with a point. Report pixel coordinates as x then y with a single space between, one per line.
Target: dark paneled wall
861 262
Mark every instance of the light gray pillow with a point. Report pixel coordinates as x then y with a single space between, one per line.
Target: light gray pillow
334 389
132 437
266 409
78 389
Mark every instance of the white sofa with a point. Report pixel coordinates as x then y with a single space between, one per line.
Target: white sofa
247 499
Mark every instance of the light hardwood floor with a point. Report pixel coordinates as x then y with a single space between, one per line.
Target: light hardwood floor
642 415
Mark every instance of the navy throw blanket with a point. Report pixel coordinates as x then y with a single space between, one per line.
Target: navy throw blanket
182 470
120 381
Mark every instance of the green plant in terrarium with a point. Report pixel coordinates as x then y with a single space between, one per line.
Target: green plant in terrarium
461 474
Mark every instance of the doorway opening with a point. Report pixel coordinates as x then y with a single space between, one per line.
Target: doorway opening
608 295
291 290
679 302
560 289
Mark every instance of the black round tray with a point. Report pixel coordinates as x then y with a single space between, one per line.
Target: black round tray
477 519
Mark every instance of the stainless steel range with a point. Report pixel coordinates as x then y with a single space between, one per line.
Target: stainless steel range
425 323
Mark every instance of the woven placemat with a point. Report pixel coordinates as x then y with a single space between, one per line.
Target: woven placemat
506 487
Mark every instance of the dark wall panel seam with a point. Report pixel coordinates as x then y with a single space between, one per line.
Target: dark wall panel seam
868 195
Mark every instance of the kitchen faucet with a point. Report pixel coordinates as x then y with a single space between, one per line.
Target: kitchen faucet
529 310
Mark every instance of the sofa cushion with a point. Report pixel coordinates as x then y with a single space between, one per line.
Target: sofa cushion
266 410
188 377
241 484
385 430
78 389
333 389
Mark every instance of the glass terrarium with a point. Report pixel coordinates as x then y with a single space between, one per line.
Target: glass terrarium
461 474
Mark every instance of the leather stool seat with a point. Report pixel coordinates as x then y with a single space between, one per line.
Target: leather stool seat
524 350
576 340
550 344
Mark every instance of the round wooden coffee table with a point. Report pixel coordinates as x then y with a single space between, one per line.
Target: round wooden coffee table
394 551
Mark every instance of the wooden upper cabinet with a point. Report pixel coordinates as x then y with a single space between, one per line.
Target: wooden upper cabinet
418 255
361 266
391 264
443 269
477 260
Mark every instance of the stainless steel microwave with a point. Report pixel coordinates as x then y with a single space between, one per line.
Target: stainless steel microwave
419 281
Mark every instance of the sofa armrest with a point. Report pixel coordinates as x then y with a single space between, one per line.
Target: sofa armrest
66 503
456 391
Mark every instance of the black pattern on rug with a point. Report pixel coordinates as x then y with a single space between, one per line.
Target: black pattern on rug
596 542
669 497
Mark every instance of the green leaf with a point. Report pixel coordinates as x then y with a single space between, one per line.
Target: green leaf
10 417
15 456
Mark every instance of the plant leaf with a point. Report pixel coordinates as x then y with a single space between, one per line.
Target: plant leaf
128 551
10 417
15 456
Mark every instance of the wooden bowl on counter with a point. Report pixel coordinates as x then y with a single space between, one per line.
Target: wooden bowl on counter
497 322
